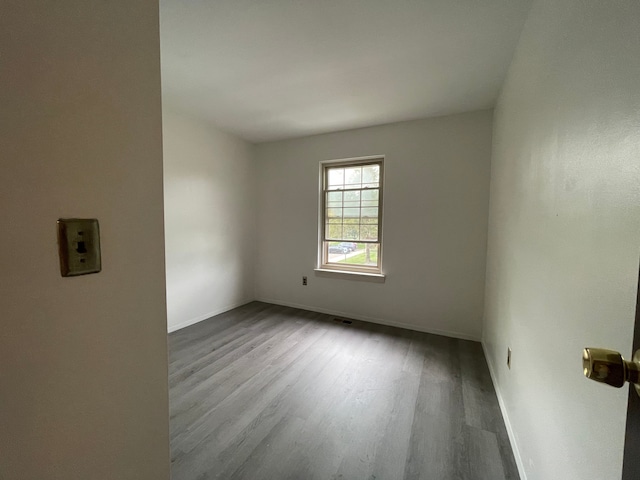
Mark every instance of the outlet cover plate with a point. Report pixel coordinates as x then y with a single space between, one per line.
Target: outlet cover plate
79 246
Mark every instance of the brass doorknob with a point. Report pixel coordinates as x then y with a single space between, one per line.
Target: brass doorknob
608 366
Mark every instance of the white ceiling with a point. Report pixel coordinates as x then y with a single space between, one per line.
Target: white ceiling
273 69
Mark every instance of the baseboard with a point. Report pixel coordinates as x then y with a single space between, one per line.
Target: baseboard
505 415
364 318
200 318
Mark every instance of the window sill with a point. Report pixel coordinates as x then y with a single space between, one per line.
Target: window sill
363 276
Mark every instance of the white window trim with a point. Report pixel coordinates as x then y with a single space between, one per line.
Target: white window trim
351 275
351 271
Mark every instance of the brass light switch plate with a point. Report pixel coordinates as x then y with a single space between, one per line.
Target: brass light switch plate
79 246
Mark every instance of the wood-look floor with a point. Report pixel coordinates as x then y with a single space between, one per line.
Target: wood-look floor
269 392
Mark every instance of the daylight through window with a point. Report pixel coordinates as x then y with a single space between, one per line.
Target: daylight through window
351 215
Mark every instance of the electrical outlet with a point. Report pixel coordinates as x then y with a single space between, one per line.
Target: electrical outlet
304 280
509 358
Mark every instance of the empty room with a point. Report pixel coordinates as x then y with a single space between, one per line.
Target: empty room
342 239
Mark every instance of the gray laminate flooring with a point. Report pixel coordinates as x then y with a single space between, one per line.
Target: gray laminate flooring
269 392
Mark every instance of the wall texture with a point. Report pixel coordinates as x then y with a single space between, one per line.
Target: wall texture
83 383
435 223
564 233
209 220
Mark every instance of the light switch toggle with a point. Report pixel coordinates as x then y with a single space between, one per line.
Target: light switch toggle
79 246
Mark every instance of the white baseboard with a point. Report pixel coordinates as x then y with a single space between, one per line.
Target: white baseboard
364 318
200 318
505 416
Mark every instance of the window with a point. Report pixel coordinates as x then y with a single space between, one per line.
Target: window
351 215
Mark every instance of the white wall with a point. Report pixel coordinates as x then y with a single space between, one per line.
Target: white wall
209 219
435 223
83 383
564 233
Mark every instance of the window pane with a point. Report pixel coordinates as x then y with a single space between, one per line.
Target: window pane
371 175
369 232
352 199
353 213
352 177
337 251
370 195
334 215
370 212
365 254
370 198
334 199
336 178
333 231
351 232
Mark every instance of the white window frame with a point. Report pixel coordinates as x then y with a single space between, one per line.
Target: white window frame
323 264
